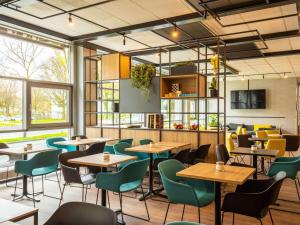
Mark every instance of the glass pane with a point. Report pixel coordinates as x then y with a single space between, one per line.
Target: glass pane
202 106
137 118
49 105
107 94
176 105
107 119
107 106
212 105
19 58
125 118
189 106
11 98
107 85
164 106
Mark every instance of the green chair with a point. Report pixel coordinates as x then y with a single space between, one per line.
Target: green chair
110 148
183 223
184 191
50 143
290 165
41 164
129 178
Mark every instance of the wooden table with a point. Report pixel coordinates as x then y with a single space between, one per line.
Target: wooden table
12 211
206 171
155 148
98 161
254 154
83 142
20 151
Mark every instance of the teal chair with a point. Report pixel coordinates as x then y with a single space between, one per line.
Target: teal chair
183 223
41 164
50 143
129 178
184 191
110 148
119 149
290 165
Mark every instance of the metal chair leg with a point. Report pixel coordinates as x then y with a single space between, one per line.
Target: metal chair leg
43 190
261 223
272 221
58 181
297 189
121 206
199 214
182 212
222 217
86 188
62 194
232 218
108 201
148 216
33 191
167 213
97 196
15 191
82 194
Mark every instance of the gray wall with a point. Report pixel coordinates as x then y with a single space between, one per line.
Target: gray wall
280 102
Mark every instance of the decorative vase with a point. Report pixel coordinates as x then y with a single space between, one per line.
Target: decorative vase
214 93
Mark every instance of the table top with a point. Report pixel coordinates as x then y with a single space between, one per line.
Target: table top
98 161
172 144
157 147
207 171
9 223
20 150
258 152
14 211
84 141
258 139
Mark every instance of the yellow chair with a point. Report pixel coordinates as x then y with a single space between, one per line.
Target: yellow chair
261 134
277 144
256 127
229 143
273 134
237 132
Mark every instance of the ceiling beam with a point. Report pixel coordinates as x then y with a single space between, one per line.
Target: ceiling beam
151 25
33 27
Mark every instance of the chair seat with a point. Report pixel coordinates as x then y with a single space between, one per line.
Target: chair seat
43 171
88 179
130 186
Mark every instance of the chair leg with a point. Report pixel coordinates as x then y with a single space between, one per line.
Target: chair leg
15 191
297 189
86 188
97 196
182 212
261 223
148 216
222 217
272 221
58 181
108 201
32 182
167 213
121 206
82 194
62 194
199 214
43 190
232 218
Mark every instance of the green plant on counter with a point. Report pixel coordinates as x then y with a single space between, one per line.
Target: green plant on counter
141 78
213 120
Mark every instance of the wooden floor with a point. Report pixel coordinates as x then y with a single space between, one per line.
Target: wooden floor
156 208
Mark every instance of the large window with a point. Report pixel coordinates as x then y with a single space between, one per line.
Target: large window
35 88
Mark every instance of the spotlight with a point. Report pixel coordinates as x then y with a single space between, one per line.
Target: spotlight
175 32
124 40
243 78
70 20
285 76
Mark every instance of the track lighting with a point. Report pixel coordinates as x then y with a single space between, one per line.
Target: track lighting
70 20
175 32
124 40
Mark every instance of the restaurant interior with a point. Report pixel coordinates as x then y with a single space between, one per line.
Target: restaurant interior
176 112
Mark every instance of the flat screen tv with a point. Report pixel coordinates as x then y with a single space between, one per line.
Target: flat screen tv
248 99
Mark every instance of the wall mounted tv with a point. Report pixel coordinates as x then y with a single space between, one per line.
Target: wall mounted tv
248 99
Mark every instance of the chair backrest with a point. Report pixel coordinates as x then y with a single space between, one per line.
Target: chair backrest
261 134
79 213
145 141
64 157
3 145
134 171
277 144
50 142
243 140
45 159
119 148
95 148
292 142
81 137
222 153
128 141
201 152
239 130
272 132
183 156
271 193
229 143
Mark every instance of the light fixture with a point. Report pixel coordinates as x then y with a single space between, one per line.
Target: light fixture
175 32
124 39
285 76
70 20
243 78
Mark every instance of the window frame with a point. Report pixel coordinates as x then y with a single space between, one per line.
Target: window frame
52 85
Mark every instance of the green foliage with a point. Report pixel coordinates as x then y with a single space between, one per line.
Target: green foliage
213 84
213 120
141 78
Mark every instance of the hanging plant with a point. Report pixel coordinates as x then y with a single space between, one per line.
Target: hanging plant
214 61
141 78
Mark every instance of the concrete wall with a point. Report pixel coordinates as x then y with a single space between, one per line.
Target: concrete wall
280 104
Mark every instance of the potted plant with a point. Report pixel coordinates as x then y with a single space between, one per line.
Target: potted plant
141 78
213 121
183 68
213 88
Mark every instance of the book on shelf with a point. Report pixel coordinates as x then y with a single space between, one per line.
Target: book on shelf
155 121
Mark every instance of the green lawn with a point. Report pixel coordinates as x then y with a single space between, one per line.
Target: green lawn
19 123
34 137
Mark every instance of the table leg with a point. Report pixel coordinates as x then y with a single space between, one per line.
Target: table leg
36 218
150 190
254 159
103 191
217 203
